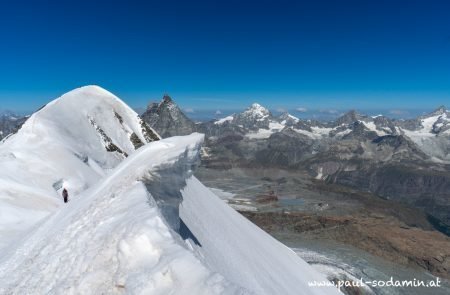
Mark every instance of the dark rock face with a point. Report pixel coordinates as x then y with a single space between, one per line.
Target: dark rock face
167 118
359 131
137 143
385 124
106 140
148 133
402 148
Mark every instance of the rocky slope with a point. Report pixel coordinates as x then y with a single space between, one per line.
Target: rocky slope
383 236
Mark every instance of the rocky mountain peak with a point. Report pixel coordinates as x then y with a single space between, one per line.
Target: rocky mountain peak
254 117
349 118
257 110
167 99
287 119
167 118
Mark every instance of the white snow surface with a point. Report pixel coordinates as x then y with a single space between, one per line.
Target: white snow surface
256 111
372 127
293 118
434 146
59 147
266 133
223 120
111 237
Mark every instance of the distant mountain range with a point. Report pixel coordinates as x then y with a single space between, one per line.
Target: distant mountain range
403 160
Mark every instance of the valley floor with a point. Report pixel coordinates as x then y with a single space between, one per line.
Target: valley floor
335 227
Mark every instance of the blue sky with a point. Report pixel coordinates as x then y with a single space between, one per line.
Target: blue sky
325 55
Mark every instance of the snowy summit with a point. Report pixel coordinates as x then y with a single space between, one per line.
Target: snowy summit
257 111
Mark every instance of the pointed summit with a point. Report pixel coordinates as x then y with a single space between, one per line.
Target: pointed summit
167 99
154 107
349 117
167 118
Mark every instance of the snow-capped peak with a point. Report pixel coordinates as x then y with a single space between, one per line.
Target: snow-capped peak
257 110
99 115
254 117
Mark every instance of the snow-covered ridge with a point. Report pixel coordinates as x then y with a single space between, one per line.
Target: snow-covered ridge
72 142
112 239
223 120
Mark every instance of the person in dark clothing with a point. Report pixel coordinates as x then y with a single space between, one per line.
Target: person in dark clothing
65 195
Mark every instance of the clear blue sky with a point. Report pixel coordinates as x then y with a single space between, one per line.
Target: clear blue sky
227 54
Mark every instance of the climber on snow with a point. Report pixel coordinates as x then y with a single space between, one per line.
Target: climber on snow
65 195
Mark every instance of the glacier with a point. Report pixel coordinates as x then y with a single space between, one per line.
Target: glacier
113 236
